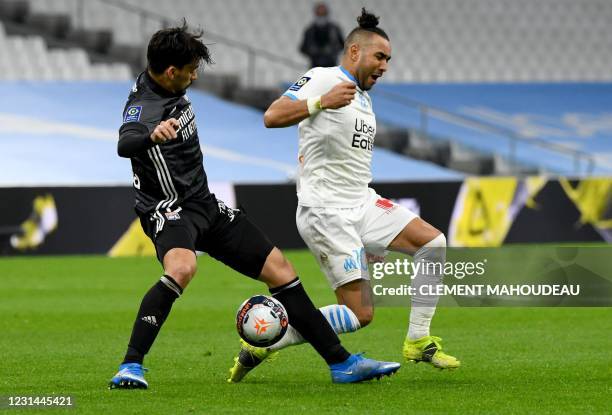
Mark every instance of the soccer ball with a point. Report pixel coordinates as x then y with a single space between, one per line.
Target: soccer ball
261 321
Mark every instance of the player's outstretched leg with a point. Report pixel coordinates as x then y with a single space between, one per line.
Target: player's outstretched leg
279 274
342 320
339 317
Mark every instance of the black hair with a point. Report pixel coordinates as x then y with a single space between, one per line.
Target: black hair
367 23
176 46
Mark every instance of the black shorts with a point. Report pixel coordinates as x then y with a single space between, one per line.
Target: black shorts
208 225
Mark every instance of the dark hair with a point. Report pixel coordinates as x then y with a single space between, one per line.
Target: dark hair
176 46
367 23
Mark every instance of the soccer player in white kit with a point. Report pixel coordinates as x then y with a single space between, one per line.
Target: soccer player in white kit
339 217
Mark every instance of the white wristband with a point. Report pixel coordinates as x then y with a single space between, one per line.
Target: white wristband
314 105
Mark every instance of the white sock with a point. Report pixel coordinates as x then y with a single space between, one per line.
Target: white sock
290 338
423 307
420 319
340 318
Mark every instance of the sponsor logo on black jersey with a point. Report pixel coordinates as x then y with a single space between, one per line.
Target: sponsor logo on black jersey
227 211
132 114
173 215
187 125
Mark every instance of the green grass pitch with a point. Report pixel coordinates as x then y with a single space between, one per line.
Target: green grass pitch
65 322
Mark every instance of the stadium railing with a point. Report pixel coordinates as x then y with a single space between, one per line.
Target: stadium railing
583 162
145 16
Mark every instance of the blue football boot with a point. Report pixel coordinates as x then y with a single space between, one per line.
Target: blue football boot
358 368
129 376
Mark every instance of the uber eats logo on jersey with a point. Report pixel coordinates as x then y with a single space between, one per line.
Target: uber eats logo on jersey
363 137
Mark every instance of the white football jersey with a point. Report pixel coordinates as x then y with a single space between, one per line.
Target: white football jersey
335 148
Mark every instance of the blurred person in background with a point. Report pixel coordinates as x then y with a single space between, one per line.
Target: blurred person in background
323 39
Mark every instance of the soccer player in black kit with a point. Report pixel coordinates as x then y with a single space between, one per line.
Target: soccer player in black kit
180 215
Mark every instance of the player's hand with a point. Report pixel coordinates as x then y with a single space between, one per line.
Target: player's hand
165 131
339 96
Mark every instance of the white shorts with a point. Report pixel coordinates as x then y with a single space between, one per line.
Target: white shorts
339 238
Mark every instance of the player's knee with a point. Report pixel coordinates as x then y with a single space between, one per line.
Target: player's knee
438 242
284 271
365 315
434 249
277 270
286 268
181 265
182 272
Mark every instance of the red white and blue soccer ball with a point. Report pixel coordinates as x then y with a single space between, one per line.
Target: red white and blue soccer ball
261 321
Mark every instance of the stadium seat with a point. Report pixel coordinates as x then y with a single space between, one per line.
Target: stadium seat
31 59
434 41
14 10
434 33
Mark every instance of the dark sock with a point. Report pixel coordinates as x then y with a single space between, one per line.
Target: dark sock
153 311
309 321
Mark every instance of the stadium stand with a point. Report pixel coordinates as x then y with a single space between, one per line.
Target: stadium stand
54 117
443 50
29 58
436 40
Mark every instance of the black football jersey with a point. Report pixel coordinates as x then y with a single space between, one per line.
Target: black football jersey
165 175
